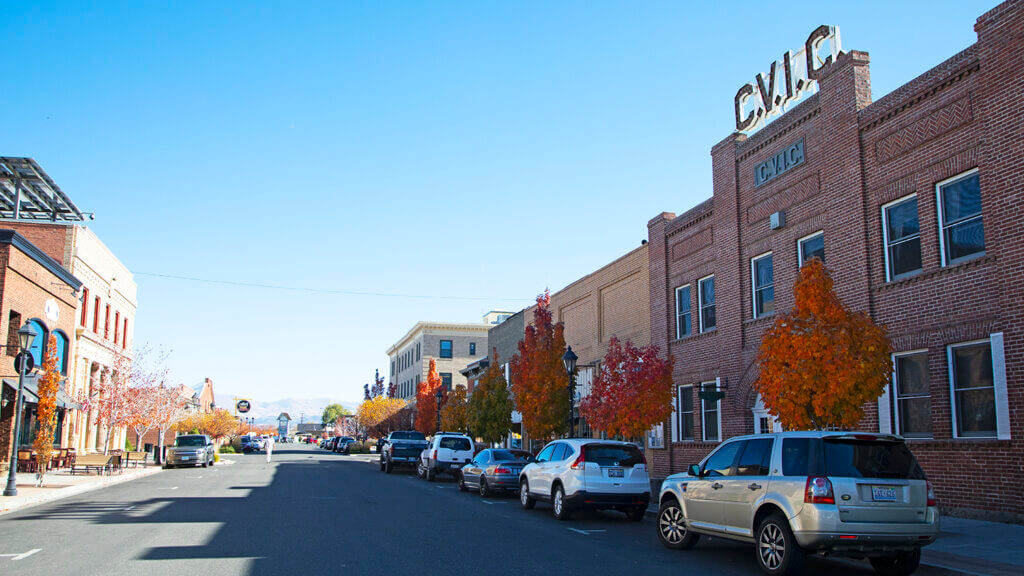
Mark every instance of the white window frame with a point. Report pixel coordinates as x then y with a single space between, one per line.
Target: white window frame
894 395
700 304
753 282
703 426
679 335
678 422
999 391
759 411
941 218
885 236
800 242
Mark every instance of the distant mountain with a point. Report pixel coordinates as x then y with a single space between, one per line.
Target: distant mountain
300 409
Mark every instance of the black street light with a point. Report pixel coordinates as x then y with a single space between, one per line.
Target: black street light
569 359
439 397
25 337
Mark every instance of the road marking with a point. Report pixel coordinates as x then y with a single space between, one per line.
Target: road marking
166 488
129 508
585 532
195 476
21 556
489 502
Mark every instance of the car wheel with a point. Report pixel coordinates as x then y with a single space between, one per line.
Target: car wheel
777 550
485 492
388 467
429 474
902 564
524 495
558 504
420 470
168 466
205 463
212 462
381 464
462 483
672 527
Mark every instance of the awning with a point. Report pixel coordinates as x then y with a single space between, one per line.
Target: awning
30 392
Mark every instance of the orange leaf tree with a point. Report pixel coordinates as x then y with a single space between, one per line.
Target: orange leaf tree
539 381
377 415
821 362
46 410
632 393
490 405
455 413
426 402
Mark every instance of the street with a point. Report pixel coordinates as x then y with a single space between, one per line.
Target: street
312 511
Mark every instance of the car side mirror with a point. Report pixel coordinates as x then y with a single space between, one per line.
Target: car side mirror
530 459
694 471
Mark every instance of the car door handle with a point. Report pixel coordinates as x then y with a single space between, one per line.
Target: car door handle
754 486
716 486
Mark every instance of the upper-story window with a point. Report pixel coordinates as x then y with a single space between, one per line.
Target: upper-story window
38 347
61 341
106 321
963 235
96 316
85 307
392 367
812 246
711 414
902 234
446 380
684 397
684 318
124 334
446 349
418 351
117 327
763 281
706 301
472 348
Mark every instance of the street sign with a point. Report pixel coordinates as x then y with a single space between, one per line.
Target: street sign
26 359
243 406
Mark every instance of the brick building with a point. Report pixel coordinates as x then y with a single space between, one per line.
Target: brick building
913 200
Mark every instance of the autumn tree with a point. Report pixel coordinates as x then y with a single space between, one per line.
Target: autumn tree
490 405
426 401
377 415
539 381
455 413
46 409
632 393
378 385
821 362
392 390
171 407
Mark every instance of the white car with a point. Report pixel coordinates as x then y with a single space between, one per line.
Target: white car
588 473
447 452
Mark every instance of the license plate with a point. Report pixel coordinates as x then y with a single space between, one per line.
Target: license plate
883 493
185 457
615 473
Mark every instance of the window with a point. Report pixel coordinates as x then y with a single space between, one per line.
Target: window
392 367
446 349
613 455
38 347
913 397
870 459
117 327
418 351
685 403
13 325
124 335
812 246
85 307
902 236
972 378
799 456
106 322
545 454
472 348
96 316
61 350
446 380
710 414
962 233
756 458
706 303
721 461
763 281
683 320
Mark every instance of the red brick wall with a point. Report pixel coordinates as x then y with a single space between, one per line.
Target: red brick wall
52 239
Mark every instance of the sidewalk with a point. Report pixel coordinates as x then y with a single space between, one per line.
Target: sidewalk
977 547
62 485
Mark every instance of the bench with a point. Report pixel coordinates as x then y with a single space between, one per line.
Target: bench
136 458
100 462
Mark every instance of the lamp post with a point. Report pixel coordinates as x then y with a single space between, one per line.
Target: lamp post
439 397
25 337
569 359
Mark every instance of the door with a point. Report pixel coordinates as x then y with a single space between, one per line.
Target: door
553 467
535 475
746 486
703 495
471 473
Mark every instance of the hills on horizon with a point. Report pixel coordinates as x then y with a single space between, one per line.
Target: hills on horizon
300 409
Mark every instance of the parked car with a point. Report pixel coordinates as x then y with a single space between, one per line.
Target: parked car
401 448
190 450
592 474
793 493
447 452
248 445
494 469
343 443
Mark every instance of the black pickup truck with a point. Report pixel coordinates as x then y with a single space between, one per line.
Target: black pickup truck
402 448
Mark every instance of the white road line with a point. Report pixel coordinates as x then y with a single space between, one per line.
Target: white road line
21 556
585 532
129 508
195 477
489 502
165 488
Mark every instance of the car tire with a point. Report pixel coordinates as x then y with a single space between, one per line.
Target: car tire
559 506
429 474
388 467
525 500
461 482
485 491
212 462
672 526
420 470
381 464
902 564
776 549
168 466
205 463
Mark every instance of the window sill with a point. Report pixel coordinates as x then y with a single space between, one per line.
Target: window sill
764 318
695 336
923 275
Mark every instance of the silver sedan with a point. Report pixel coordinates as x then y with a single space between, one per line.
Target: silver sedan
494 469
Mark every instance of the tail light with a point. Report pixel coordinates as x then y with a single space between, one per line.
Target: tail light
502 470
932 500
433 455
818 491
581 462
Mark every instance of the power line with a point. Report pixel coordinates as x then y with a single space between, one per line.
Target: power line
327 290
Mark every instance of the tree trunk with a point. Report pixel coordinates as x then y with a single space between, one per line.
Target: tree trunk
106 440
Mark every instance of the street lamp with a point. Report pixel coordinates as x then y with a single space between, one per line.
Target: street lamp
569 359
25 337
439 397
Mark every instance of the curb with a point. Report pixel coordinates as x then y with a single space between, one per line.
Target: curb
7 507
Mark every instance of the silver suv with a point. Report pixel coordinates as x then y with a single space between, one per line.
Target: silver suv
793 493
190 450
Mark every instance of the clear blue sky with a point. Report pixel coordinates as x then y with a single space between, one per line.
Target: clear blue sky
479 150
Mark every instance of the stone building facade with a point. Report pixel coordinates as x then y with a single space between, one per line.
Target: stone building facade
452 346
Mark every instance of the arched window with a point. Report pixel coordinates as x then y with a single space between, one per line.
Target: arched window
38 346
62 351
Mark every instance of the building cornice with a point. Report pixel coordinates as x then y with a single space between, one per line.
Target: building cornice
421 326
32 251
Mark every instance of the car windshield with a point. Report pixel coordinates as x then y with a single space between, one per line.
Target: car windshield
407 436
613 454
500 455
189 441
870 459
455 443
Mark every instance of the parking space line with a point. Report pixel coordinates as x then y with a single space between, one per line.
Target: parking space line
21 556
586 532
489 502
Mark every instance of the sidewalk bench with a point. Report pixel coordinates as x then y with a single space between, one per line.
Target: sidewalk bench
136 458
100 462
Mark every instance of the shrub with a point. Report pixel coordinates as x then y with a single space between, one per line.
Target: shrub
358 448
228 449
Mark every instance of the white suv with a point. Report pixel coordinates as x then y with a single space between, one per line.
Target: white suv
793 493
587 473
447 452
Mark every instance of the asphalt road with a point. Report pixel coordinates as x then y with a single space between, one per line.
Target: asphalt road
314 512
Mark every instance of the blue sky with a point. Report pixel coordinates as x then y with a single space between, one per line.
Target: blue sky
475 150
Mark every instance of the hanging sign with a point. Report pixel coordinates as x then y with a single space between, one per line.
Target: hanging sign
243 406
787 80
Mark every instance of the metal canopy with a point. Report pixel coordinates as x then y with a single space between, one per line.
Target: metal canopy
28 193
